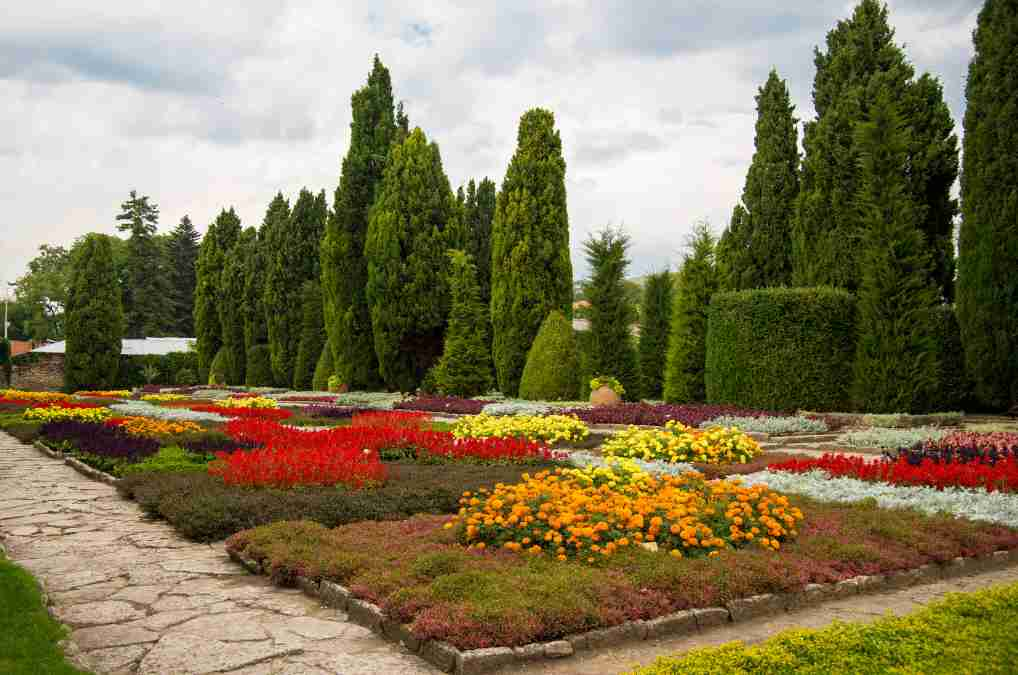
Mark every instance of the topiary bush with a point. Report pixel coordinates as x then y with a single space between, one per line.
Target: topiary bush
781 348
259 366
550 371
219 368
324 369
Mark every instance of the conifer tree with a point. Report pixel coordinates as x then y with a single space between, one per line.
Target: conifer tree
312 336
756 249
232 308
407 288
465 367
988 245
655 327
215 245
181 263
531 272
687 342
480 211
295 259
95 318
861 61
611 314
896 364
344 268
258 370
145 288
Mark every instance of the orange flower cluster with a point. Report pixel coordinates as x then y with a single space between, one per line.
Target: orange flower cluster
32 396
595 512
147 426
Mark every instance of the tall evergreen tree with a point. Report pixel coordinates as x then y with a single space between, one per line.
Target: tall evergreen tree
95 318
295 259
531 272
233 279
258 371
480 211
145 308
344 268
896 363
988 245
687 343
181 268
756 250
655 327
611 313
465 366
860 62
215 245
312 336
407 287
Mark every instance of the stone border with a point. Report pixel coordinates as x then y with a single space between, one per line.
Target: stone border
470 662
76 464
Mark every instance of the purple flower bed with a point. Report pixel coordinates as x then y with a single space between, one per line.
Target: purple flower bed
332 412
962 448
209 445
100 440
690 414
446 404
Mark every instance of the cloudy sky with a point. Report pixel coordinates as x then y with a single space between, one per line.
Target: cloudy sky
205 105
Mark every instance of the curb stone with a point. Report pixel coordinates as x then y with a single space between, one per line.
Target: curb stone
90 472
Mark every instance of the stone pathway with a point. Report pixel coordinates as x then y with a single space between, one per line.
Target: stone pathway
139 599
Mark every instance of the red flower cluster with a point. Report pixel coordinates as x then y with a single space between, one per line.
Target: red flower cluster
390 420
246 413
1001 476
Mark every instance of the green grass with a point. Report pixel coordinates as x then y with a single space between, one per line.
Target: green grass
964 633
28 635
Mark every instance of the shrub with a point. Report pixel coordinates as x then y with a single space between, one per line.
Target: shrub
258 372
335 384
324 370
550 372
465 367
186 377
781 348
607 381
170 458
220 367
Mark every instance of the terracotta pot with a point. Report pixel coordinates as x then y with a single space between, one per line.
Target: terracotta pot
604 396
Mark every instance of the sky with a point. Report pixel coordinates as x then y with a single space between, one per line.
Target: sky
209 105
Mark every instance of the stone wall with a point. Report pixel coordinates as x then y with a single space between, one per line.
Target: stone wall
38 372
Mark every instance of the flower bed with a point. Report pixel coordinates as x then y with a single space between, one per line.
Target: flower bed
60 411
446 404
144 409
551 429
890 439
679 443
103 447
331 412
306 398
647 414
276 414
590 512
105 393
145 426
247 401
966 447
768 425
33 396
164 398
420 575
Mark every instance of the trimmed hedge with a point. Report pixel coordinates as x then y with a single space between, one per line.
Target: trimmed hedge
781 348
550 371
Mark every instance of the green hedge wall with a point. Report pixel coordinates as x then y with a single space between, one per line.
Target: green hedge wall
781 348
130 373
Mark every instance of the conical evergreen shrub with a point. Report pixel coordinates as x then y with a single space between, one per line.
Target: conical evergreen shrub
465 366
550 370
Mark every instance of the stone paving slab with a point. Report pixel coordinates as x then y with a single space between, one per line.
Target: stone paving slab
139 599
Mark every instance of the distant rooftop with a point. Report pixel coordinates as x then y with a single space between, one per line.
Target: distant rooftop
154 346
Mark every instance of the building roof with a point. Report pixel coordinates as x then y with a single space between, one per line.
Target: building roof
154 346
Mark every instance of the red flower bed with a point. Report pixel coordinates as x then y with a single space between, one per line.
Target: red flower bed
245 413
390 420
1000 476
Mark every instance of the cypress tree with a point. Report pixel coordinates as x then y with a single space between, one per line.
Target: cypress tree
323 370
312 336
407 287
232 304
687 343
655 327
295 259
145 307
465 366
531 272
611 313
896 364
480 211
860 62
95 318
988 245
181 263
215 245
344 268
756 250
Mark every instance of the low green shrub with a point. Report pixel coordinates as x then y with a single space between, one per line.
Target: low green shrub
186 377
550 371
169 458
963 633
781 348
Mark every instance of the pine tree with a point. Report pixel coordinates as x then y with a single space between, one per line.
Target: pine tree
233 278
95 318
181 263
295 259
988 245
655 327
312 336
344 268
531 272
896 364
860 62
215 245
611 314
145 287
465 366
756 250
687 343
407 287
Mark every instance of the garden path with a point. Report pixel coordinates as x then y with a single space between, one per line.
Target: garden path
139 599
